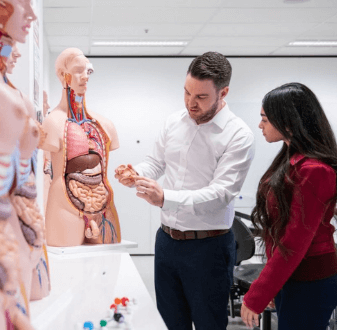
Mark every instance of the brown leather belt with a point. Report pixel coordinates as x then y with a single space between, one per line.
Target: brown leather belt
192 234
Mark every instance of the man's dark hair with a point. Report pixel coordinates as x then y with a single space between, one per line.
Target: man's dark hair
213 66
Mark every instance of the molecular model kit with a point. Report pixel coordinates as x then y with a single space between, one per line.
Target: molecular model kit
118 316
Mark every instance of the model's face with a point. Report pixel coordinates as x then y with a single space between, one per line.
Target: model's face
79 72
19 23
202 100
13 58
270 133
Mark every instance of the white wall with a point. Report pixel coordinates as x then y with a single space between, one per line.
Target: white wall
138 94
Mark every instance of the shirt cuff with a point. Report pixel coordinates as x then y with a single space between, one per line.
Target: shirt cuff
170 200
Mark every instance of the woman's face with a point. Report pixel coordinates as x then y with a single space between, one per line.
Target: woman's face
20 21
13 58
270 133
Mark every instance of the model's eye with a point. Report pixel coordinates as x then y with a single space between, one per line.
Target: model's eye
90 71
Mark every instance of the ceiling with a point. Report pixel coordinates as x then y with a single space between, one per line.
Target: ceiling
231 27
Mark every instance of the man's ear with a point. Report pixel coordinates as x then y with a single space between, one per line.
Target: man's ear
224 92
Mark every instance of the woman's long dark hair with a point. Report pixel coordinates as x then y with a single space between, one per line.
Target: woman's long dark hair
294 110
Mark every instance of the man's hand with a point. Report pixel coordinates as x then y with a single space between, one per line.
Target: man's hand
250 318
149 190
126 174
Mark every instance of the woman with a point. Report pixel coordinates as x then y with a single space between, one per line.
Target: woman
294 205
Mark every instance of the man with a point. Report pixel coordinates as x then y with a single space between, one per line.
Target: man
205 153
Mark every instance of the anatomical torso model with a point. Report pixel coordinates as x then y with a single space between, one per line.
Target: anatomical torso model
80 206
21 224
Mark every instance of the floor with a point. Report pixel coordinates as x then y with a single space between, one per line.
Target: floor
145 266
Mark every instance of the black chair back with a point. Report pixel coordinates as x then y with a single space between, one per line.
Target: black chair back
245 243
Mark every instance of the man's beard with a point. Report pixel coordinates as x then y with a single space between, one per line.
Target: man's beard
209 114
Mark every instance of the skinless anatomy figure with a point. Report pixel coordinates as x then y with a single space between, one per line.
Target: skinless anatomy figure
80 205
19 137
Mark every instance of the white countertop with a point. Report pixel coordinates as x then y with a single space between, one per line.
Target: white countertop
84 285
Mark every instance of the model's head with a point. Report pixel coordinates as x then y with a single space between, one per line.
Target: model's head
295 112
73 70
15 54
212 66
16 18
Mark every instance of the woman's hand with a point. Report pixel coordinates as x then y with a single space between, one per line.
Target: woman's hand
250 318
272 304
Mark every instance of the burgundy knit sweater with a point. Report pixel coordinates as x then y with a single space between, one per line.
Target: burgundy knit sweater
308 234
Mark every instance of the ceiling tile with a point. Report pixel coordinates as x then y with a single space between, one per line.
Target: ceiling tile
298 51
135 51
332 19
66 3
67 15
239 41
107 15
68 41
67 29
258 29
152 30
321 31
276 15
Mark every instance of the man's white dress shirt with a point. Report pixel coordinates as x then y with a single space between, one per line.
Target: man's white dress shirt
204 165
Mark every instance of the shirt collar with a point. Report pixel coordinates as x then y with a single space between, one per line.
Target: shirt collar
296 158
221 118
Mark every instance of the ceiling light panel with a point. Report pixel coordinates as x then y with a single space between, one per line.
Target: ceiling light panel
239 41
135 51
314 43
145 43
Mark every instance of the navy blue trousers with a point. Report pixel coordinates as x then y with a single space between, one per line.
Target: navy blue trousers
193 280
306 305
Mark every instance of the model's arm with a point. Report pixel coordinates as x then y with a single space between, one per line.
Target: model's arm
228 179
310 199
54 130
